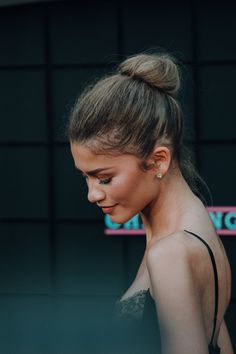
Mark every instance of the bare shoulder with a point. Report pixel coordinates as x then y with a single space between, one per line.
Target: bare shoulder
172 255
176 294
171 247
182 284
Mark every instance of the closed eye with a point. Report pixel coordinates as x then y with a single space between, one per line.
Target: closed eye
105 181
101 181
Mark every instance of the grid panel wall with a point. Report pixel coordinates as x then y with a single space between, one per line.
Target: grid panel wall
58 267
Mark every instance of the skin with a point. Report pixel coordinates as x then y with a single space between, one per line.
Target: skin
128 187
167 207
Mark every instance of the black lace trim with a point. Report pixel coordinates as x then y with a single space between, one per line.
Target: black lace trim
132 305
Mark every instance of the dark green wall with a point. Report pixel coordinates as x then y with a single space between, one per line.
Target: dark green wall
57 268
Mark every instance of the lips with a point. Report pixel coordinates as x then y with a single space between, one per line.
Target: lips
108 209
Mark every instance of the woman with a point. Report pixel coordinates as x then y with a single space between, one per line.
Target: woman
126 136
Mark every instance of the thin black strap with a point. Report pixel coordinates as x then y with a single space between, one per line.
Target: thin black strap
216 280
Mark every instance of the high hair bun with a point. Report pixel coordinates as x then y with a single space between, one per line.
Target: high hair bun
157 70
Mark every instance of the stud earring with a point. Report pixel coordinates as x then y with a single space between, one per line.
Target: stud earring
159 175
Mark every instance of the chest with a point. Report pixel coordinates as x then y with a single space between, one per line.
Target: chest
138 323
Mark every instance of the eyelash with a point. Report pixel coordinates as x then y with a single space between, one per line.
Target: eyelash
105 181
101 181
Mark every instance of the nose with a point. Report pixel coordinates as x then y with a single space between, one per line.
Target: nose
95 194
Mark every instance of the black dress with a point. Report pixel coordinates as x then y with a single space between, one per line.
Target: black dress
136 320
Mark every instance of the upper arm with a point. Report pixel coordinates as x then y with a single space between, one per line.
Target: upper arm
177 299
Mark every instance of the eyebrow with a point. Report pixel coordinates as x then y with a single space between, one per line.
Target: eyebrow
94 172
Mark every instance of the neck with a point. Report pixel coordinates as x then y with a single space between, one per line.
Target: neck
167 212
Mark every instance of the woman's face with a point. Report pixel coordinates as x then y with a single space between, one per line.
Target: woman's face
116 182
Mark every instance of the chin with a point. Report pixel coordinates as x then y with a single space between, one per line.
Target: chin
121 219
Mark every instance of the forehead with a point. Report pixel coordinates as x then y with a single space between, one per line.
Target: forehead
85 159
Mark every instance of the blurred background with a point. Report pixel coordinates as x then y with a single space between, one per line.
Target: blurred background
57 267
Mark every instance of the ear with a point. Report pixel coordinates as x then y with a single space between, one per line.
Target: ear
160 158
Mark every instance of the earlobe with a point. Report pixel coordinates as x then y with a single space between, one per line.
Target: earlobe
162 158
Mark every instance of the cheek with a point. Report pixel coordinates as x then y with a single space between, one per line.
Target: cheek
134 189
125 186
121 188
